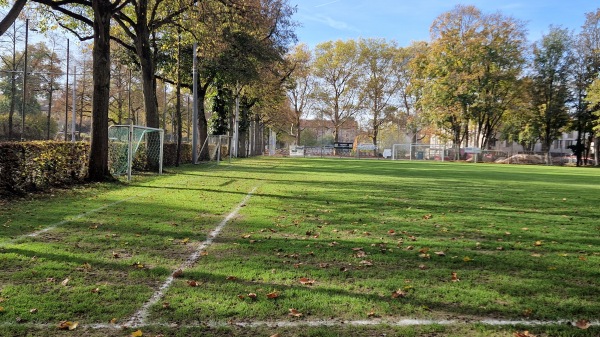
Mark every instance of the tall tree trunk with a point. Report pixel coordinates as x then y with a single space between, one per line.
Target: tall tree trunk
147 67
98 160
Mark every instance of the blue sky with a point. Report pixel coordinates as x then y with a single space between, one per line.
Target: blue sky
409 20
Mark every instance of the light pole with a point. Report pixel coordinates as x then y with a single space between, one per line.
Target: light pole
67 95
24 82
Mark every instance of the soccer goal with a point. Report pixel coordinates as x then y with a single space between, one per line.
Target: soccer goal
419 152
218 147
134 147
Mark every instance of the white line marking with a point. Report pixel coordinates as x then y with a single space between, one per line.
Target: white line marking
139 318
60 223
316 323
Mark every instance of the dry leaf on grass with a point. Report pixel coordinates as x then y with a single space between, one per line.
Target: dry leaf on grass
272 295
193 283
137 333
455 277
177 273
307 281
67 325
524 334
583 324
231 278
252 296
294 313
398 294
65 282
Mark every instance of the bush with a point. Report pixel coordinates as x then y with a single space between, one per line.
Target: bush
35 166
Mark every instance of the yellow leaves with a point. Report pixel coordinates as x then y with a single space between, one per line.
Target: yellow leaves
137 333
138 265
467 259
67 325
523 334
1 310
537 243
294 313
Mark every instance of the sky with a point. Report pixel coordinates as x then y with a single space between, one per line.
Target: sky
405 21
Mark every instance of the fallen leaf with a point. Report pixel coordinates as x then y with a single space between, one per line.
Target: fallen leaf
422 267
392 232
323 265
87 266
67 325
116 255
252 296
241 297
247 236
113 321
185 241
537 243
33 311
231 278
275 335
366 263
455 277
177 273
306 281
166 305
95 290
371 314
1 309
192 283
137 333
427 216
440 253
398 294
204 253
524 334
583 324
467 259
65 282
582 258
295 313
536 255
272 295
424 250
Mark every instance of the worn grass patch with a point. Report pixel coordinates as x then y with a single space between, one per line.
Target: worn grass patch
331 239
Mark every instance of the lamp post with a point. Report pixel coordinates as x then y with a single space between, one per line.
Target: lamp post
67 95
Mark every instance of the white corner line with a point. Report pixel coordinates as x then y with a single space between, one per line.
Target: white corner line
139 318
63 222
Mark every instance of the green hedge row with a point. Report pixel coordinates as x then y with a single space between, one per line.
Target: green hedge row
37 166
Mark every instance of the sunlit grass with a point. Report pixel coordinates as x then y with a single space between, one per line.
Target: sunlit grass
374 239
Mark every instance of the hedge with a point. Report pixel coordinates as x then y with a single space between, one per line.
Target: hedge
39 165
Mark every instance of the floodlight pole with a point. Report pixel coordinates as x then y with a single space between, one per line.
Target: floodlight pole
74 113
195 107
23 104
67 94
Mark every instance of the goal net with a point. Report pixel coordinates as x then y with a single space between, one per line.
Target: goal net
218 147
134 148
419 152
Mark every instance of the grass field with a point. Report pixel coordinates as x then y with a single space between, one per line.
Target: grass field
319 242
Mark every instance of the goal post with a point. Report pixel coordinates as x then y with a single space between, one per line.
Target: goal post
218 146
135 147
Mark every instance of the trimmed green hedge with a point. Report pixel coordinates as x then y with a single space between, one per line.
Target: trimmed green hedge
37 166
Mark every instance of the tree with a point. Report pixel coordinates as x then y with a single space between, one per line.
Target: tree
586 69
300 87
379 82
337 70
552 59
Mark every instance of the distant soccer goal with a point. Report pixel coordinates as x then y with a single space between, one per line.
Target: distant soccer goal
218 147
419 152
134 148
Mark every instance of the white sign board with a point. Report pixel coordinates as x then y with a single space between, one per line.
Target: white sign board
474 150
387 153
366 147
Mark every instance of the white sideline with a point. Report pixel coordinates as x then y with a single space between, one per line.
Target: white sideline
318 323
139 318
60 223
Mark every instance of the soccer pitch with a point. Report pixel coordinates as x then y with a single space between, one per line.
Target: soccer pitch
305 247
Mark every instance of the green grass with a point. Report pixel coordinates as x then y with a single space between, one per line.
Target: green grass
524 242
